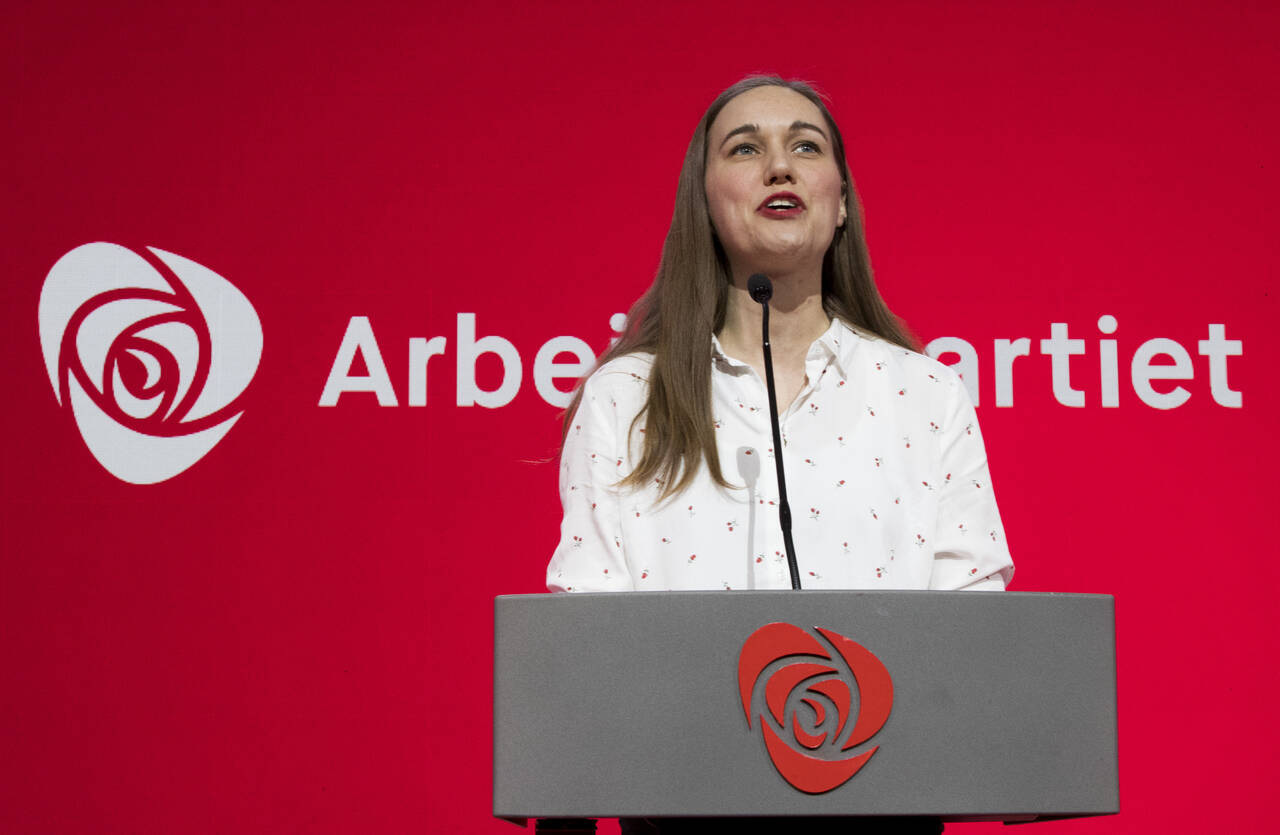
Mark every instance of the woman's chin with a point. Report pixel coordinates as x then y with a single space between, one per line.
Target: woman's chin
785 259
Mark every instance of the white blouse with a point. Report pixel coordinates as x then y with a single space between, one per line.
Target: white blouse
886 475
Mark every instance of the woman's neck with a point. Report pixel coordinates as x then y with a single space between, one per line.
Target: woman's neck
796 319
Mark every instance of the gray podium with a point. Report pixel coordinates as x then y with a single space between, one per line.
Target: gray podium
1001 705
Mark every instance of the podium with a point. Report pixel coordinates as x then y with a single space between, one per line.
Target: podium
979 705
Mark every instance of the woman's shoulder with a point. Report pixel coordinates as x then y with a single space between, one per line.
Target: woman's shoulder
621 374
628 365
621 384
914 368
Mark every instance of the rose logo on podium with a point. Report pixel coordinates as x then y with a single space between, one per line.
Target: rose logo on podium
806 708
152 350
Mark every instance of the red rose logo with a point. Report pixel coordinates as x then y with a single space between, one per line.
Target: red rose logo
151 350
809 727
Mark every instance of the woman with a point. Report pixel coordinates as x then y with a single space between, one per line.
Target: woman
667 473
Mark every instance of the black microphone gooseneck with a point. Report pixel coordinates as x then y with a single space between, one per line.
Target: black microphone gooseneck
760 289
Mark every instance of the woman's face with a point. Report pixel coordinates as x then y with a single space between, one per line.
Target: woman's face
773 183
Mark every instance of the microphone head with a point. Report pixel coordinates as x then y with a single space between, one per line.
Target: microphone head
760 287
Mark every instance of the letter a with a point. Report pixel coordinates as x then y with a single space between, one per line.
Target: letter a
359 337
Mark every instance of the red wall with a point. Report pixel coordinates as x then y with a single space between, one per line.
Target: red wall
295 632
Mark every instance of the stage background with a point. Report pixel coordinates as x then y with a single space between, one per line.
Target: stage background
294 634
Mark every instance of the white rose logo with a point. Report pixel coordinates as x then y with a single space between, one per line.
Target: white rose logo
152 350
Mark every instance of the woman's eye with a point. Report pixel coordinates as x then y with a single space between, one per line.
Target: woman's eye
808 148
743 150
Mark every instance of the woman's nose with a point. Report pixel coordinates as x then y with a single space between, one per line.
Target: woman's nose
778 168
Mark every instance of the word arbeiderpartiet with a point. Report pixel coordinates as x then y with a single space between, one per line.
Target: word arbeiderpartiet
1155 359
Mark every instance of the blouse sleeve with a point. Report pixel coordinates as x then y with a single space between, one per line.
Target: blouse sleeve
970 550
590 555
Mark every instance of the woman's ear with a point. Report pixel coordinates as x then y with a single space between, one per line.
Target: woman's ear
844 211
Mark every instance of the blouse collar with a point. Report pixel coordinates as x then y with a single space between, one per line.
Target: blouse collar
836 347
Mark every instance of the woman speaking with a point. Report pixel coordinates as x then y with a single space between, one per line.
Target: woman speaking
667 473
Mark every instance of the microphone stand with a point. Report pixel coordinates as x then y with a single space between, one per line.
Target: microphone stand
761 289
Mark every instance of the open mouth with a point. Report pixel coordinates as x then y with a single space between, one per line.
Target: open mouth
783 204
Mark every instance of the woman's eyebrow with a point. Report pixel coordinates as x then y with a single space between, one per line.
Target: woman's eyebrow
740 129
796 127
799 126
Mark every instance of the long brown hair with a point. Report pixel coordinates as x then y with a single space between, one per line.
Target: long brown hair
675 319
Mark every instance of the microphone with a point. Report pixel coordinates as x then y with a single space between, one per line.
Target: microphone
760 288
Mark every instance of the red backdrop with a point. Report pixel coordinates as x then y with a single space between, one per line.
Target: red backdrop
295 632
